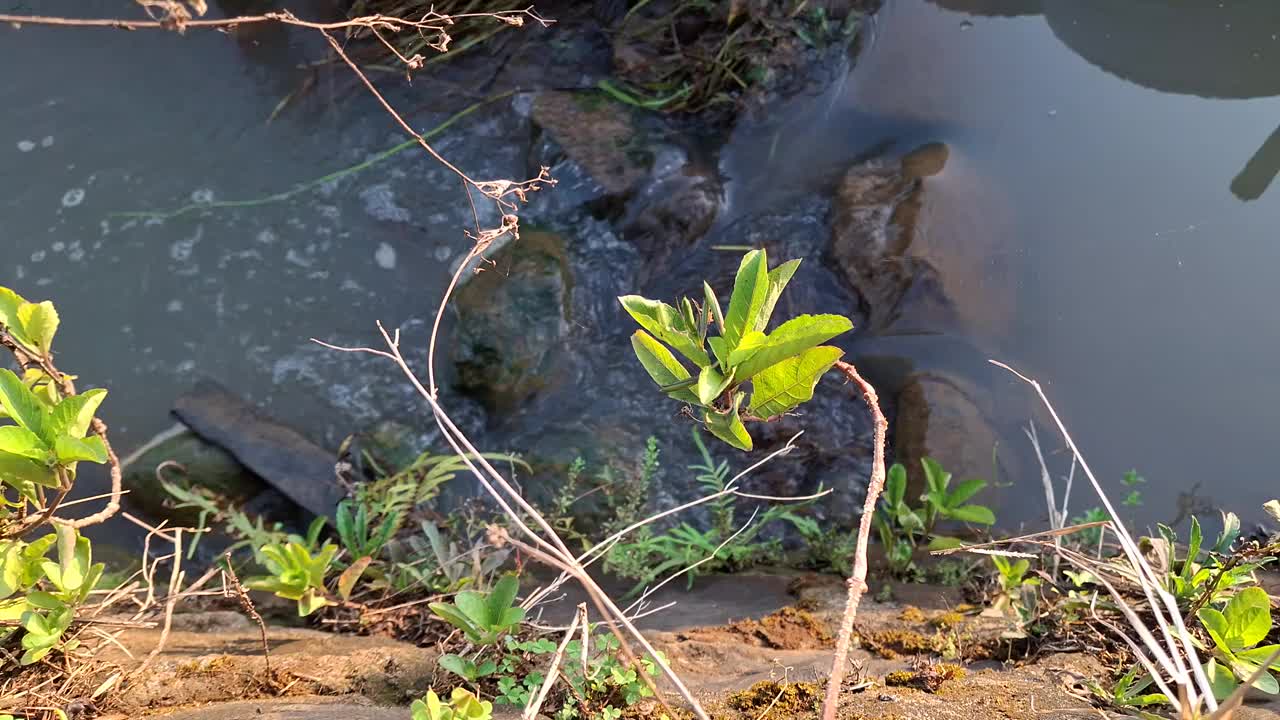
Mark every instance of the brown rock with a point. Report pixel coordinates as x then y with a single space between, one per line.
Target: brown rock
942 418
595 132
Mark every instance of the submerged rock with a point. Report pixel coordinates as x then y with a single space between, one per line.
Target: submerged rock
198 462
597 133
298 468
924 244
512 318
943 417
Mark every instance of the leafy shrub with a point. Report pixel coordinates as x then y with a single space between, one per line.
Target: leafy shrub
902 528
42 595
462 705
1236 630
782 366
484 617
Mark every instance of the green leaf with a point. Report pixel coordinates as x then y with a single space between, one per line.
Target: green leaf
710 384
721 350
20 403
971 514
73 415
17 440
501 598
69 449
936 479
1260 654
943 542
786 385
40 322
310 602
965 490
1193 549
661 365
459 666
16 471
1248 615
1216 623
750 288
10 301
664 322
778 279
792 338
475 607
750 343
711 305
895 484
728 426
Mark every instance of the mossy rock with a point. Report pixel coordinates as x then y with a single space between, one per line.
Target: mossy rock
201 464
513 317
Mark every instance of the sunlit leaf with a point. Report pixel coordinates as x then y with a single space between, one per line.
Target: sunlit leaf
17 440
664 323
661 365
711 382
972 514
728 426
750 288
20 404
69 449
40 322
73 415
785 385
792 338
778 279
16 470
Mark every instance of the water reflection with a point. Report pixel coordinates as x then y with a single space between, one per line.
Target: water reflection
1211 50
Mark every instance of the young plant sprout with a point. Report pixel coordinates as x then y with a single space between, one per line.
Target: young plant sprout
782 366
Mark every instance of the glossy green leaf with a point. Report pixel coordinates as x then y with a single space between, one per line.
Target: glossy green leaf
1216 624
710 384
73 415
17 440
664 323
750 343
90 449
778 279
792 338
728 426
40 323
1248 614
895 484
720 350
972 514
785 385
16 470
750 288
20 403
661 365
310 602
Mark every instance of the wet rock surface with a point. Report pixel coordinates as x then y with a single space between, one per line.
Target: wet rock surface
944 417
512 318
290 463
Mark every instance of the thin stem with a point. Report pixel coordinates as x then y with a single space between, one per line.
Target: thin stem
856 585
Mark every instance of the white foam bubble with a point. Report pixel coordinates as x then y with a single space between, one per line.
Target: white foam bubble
72 197
385 256
26 146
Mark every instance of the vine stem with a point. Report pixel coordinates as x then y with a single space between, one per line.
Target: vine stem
856 584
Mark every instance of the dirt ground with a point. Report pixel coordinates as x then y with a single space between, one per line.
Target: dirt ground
758 648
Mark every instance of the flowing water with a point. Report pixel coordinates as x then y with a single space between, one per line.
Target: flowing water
1120 154
1117 155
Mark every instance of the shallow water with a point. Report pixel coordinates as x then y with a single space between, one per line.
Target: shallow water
1119 154
1139 257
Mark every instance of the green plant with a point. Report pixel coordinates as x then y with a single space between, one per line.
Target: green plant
602 687
1128 691
1090 536
1236 629
1016 593
42 595
466 668
462 705
901 527
48 433
1133 496
783 366
943 503
722 547
1202 576
294 573
484 617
